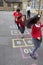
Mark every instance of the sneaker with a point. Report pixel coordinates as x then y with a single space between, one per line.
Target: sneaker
34 57
22 36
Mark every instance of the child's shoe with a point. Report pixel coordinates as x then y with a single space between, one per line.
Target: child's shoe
33 56
22 36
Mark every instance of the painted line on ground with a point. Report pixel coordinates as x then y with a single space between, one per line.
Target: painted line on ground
14 33
24 42
13 43
14 46
34 64
22 46
23 56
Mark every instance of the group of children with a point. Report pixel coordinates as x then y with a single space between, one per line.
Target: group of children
36 29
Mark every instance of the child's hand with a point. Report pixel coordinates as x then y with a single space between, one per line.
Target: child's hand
38 38
16 19
22 19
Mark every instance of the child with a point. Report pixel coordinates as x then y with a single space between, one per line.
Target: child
19 19
22 25
36 35
17 14
28 11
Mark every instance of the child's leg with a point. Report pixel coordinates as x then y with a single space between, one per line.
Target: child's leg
18 26
36 46
29 14
34 50
22 31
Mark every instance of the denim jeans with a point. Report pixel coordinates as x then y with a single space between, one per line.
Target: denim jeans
36 45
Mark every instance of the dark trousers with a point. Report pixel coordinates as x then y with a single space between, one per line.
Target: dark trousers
18 26
36 45
22 29
28 14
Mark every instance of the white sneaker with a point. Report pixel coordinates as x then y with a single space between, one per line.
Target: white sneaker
22 36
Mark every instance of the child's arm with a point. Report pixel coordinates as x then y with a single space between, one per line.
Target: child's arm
41 25
38 38
14 13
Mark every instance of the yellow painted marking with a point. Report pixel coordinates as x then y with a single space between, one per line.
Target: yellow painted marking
17 39
22 46
24 42
14 33
21 39
13 41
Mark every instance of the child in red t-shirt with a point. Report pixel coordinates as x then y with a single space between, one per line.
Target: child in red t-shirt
22 25
36 35
19 19
17 14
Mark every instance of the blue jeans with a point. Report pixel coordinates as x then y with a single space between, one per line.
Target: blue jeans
36 45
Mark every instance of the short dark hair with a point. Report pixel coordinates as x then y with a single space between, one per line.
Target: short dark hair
18 10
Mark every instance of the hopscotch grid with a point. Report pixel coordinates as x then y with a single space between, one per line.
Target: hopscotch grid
13 41
15 33
18 31
24 42
23 56
22 46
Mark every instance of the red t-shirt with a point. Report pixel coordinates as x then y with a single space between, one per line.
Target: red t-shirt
36 31
21 23
17 14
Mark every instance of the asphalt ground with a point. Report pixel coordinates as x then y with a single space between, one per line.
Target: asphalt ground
13 49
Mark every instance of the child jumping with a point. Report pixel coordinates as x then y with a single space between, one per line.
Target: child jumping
36 35
19 19
22 25
17 14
